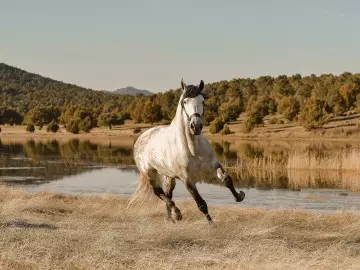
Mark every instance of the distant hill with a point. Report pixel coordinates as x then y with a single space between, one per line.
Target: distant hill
132 91
22 90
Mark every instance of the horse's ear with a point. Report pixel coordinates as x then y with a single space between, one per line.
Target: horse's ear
183 85
201 85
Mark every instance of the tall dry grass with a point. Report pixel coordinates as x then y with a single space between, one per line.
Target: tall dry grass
303 169
52 231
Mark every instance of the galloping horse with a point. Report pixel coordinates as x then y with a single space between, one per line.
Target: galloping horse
180 151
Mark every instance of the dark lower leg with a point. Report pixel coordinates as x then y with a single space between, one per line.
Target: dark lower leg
228 182
169 203
199 200
169 186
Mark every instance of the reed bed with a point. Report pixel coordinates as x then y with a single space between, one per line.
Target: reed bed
301 169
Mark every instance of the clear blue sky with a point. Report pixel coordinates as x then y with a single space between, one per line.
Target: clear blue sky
152 44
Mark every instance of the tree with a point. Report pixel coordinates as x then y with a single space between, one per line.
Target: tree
110 119
52 126
151 112
313 114
229 111
10 116
283 87
30 128
349 92
106 119
86 124
41 116
73 126
226 130
289 107
77 118
254 119
216 125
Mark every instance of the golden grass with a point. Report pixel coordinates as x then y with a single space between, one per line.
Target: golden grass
342 160
97 232
302 169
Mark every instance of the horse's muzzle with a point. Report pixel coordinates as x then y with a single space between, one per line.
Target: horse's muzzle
196 125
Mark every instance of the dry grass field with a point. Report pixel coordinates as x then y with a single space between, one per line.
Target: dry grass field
54 231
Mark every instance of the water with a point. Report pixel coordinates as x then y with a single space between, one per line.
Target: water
266 172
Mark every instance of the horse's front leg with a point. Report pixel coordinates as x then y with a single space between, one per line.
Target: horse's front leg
199 200
228 182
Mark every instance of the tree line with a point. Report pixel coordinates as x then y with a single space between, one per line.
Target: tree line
27 98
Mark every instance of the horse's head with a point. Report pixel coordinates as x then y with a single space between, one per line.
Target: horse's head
192 104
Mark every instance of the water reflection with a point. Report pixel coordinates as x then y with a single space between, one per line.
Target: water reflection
259 165
37 162
268 166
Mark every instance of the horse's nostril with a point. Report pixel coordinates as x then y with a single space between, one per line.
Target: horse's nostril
192 126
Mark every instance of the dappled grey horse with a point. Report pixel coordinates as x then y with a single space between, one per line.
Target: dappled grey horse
179 151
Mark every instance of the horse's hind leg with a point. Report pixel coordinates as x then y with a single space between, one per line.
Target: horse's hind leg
169 186
155 183
199 200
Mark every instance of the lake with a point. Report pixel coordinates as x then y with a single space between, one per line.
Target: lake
322 177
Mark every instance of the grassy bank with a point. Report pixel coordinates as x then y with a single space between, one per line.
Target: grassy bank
342 128
54 231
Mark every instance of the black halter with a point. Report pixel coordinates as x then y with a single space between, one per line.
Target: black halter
191 91
187 115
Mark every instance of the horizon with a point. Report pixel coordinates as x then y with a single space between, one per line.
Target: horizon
151 46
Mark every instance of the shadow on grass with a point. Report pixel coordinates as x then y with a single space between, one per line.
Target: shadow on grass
26 225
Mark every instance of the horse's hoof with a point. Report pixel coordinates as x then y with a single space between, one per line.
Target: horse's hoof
170 219
177 214
240 196
212 223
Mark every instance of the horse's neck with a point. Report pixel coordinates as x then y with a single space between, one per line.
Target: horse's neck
182 132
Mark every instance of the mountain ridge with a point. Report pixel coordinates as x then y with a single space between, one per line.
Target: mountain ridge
132 91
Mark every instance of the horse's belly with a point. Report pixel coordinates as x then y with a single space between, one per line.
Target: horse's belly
169 167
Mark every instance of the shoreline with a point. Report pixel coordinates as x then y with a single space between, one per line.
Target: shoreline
124 135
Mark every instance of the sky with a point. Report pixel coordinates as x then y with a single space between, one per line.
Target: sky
106 45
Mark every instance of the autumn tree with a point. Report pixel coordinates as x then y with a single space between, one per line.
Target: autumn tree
313 114
289 107
151 112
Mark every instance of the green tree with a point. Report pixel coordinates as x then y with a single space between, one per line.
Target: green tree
73 126
216 125
289 107
86 124
41 116
151 112
52 126
30 128
10 116
283 87
77 118
230 111
254 119
313 114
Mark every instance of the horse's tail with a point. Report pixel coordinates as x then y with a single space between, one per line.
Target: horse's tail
143 192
